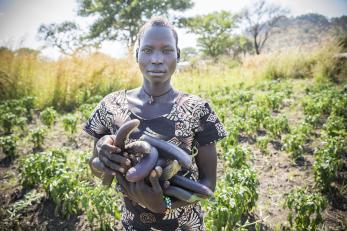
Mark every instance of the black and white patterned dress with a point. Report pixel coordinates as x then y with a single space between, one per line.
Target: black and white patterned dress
190 123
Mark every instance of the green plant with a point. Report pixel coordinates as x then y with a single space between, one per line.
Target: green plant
258 113
66 190
9 144
262 143
38 168
29 103
335 126
236 157
305 209
86 110
328 162
101 206
29 199
9 121
37 137
276 125
48 116
70 123
234 198
294 144
274 100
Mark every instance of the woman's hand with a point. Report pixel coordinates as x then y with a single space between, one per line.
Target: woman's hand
149 196
108 158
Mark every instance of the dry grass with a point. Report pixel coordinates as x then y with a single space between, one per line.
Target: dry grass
70 81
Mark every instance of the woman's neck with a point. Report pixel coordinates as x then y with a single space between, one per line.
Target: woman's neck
156 89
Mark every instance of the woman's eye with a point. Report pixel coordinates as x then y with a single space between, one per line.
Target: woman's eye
166 51
147 50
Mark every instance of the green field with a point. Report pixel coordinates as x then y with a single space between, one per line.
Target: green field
282 167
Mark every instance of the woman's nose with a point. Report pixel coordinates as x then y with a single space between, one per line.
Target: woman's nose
157 58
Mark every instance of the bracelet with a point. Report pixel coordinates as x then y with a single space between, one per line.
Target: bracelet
168 204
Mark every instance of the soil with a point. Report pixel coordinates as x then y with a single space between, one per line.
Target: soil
276 172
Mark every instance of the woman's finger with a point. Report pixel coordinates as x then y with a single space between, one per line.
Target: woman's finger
101 167
153 178
108 148
159 170
122 181
110 164
119 159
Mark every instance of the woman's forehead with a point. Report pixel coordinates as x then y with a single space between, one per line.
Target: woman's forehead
158 35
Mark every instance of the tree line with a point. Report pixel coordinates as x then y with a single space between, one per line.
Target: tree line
218 33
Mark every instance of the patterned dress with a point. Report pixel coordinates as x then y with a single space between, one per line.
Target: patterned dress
190 123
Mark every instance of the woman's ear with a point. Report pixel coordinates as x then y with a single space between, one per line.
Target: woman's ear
137 55
178 54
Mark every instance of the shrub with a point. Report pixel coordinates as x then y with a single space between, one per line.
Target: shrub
29 104
37 137
233 200
48 116
38 168
236 157
9 121
262 143
305 209
276 125
86 110
335 126
328 162
70 123
9 144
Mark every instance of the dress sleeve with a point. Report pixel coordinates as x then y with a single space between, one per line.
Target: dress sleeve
98 123
210 129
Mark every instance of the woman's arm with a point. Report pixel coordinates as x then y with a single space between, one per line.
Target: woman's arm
206 161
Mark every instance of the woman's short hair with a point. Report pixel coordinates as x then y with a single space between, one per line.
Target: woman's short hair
160 22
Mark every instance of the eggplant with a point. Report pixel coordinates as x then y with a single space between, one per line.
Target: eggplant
124 131
191 185
169 150
182 194
143 168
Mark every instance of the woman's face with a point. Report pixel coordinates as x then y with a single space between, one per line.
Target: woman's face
157 55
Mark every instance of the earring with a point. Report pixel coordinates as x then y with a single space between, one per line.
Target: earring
178 55
137 55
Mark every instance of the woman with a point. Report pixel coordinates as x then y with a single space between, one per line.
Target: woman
182 119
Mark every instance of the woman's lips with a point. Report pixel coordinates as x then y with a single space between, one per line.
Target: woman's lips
156 71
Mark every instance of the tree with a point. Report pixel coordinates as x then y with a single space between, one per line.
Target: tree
213 31
122 19
240 44
67 37
188 53
261 19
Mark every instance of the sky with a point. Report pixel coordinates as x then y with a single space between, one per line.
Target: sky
20 19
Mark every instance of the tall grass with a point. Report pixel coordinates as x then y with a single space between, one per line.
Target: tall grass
68 82
65 83
319 63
